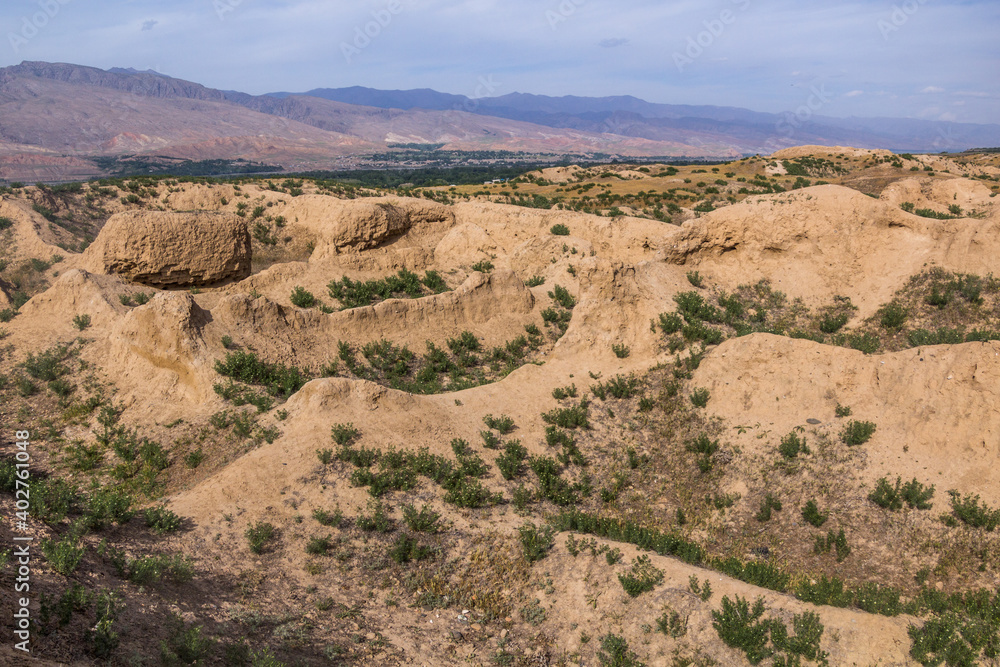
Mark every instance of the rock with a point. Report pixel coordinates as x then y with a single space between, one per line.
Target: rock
172 249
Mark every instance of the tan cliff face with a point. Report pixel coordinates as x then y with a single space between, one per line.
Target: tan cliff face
523 322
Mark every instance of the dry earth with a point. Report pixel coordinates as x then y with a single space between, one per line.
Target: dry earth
151 353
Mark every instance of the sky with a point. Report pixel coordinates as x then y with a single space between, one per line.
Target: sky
928 59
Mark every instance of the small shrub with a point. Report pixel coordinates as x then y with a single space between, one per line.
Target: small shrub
615 653
81 322
836 541
141 298
64 555
484 266
344 434
319 546
510 462
621 351
857 433
302 298
407 548
672 624
699 397
971 513
194 459
260 535
832 323
333 519
893 315
161 520
379 521
535 281
535 541
767 505
325 456
504 424
642 578
424 521
811 513
890 497
842 410
560 230
792 445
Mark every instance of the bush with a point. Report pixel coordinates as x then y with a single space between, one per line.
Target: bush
768 504
47 366
333 519
510 462
280 380
534 281
811 513
161 520
893 315
643 577
260 535
379 521
63 555
344 434
621 351
407 548
971 513
836 541
792 445
81 322
535 541
424 521
186 645
831 324
504 424
670 323
484 266
560 230
569 418
318 546
615 653
890 497
695 278
699 397
302 298
842 410
857 433
151 569
741 627
562 297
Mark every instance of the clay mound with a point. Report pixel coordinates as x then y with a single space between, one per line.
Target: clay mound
361 224
939 195
559 174
31 234
814 244
939 402
494 306
49 316
158 356
172 249
807 151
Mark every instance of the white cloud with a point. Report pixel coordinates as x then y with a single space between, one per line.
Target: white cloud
854 93
932 89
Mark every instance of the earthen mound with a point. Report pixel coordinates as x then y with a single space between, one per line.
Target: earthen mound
173 249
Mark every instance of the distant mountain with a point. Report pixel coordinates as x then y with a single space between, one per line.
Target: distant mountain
747 131
57 109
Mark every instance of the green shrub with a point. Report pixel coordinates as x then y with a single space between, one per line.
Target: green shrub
561 393
424 521
811 513
379 521
106 506
161 520
831 323
699 397
407 548
186 645
825 592
695 278
890 497
621 351
47 366
835 541
325 456
484 266
535 281
642 578
504 424
857 433
868 343
767 505
510 462
64 555
147 570
141 298
536 541
194 459
344 434
280 380
969 511
672 624
569 418
562 297
302 298
81 322
792 445
615 653
559 230
842 410
670 323
318 546
333 519
893 315
260 535
743 628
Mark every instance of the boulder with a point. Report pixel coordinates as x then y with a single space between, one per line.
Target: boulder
173 249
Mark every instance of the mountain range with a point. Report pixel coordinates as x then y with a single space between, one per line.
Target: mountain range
55 118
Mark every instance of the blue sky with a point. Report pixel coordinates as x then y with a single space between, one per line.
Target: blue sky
932 59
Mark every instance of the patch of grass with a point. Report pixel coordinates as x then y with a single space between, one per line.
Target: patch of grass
767 505
535 281
562 297
63 555
406 549
160 520
246 367
333 519
510 463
